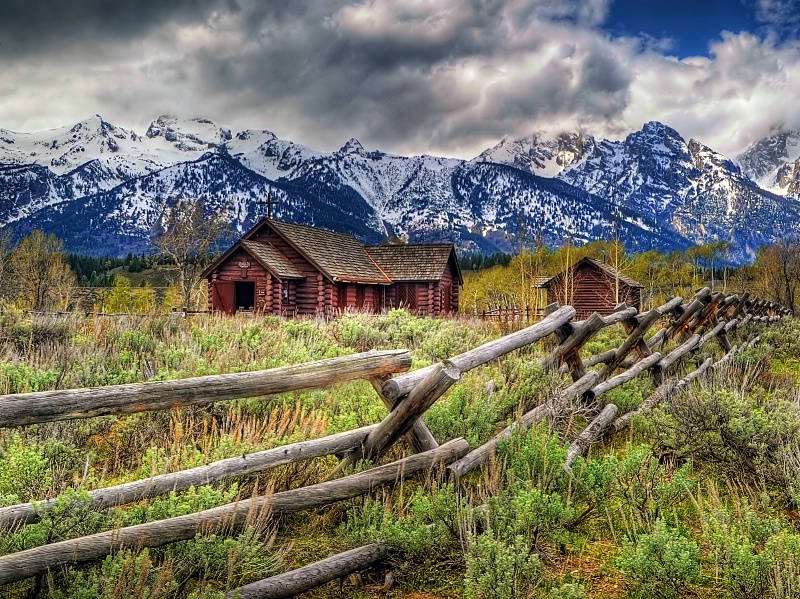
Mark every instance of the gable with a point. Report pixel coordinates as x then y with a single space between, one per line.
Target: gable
591 265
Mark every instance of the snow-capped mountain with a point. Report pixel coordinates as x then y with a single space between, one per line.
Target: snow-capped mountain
774 163
683 185
104 189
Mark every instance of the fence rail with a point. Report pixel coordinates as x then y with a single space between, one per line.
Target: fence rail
703 318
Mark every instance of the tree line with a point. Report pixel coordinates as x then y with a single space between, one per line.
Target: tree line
774 275
37 274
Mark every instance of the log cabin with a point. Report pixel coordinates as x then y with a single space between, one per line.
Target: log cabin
287 269
592 286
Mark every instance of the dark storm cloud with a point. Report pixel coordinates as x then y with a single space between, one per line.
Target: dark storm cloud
40 27
449 76
388 70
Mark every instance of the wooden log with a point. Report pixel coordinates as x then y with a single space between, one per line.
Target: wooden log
698 303
309 577
680 351
591 434
481 455
707 364
706 313
582 333
631 341
741 305
661 394
419 438
403 384
623 378
407 411
50 406
748 317
162 484
719 329
222 520
601 358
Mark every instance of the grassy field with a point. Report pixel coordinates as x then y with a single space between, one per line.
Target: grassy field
697 499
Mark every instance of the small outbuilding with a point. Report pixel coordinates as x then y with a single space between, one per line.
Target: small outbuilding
592 286
288 269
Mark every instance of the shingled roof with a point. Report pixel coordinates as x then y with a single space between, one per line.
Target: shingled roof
338 256
414 262
601 266
272 259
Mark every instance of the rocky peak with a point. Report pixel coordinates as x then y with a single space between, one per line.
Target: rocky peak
353 146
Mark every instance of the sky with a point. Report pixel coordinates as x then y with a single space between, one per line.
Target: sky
445 77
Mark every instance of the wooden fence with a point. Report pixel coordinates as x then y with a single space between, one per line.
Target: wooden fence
703 318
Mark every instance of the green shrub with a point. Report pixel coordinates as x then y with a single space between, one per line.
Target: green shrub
662 564
500 569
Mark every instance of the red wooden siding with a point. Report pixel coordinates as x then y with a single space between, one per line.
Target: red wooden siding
315 293
590 290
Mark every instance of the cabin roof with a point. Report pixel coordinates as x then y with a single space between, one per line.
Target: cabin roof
272 259
340 257
606 269
414 262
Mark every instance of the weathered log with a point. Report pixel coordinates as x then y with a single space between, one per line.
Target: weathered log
601 358
718 330
631 341
582 333
741 305
662 393
591 434
222 520
403 384
419 437
680 351
748 317
247 464
706 313
656 339
49 406
572 361
311 576
481 455
407 411
624 377
697 304
698 372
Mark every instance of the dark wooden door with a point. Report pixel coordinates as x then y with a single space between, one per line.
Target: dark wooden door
223 296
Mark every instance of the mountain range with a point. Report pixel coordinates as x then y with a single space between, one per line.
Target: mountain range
104 189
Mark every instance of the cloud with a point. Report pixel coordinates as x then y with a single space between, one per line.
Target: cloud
408 76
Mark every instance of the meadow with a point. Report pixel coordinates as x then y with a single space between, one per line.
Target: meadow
698 498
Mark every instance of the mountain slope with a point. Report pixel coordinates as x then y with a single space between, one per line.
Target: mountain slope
104 188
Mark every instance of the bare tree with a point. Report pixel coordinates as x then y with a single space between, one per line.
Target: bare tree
189 233
779 272
42 276
6 247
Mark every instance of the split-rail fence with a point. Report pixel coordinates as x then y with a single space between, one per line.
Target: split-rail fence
705 317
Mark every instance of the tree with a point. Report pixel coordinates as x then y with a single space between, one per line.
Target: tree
778 272
6 247
189 233
42 276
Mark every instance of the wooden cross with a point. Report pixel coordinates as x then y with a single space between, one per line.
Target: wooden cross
269 203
